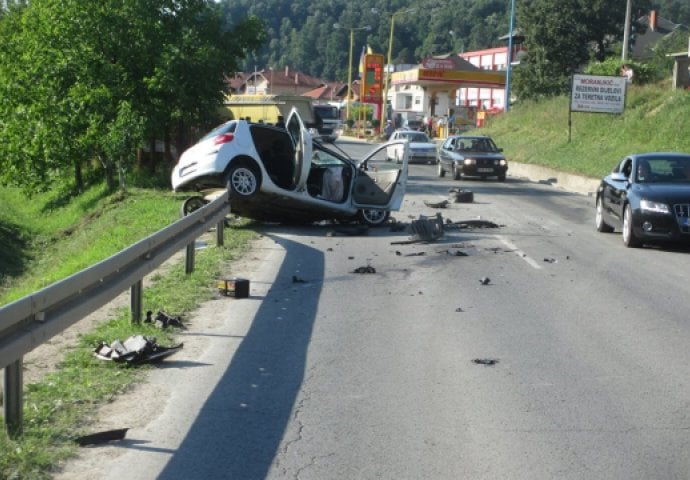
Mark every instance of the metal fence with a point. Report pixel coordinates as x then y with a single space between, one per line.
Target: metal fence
34 319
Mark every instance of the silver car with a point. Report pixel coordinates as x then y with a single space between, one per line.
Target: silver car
279 174
422 149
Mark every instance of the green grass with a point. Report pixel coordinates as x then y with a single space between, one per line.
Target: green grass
56 239
655 119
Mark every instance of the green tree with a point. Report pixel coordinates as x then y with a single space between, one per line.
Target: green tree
67 72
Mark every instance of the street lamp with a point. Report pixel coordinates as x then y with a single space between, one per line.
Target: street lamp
349 65
384 107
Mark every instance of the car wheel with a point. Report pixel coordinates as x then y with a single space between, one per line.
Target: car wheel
243 181
502 177
373 218
456 173
602 226
441 171
191 204
629 238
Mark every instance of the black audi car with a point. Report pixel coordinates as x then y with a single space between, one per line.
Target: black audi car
647 197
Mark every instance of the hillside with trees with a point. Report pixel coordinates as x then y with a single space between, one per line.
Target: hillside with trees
85 93
301 33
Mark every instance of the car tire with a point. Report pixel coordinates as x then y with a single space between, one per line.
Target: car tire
373 218
602 226
441 171
242 181
629 238
456 173
502 177
191 204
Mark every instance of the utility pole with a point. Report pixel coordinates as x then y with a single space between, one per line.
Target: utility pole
626 33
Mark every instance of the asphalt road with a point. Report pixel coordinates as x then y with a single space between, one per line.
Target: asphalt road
571 362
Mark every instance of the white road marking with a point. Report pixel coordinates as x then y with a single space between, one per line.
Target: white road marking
530 261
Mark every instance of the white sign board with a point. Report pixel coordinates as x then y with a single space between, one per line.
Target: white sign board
600 94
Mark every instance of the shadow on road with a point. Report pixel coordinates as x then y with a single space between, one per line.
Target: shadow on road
243 422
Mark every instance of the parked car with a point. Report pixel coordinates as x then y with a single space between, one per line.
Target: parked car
647 197
471 156
280 174
422 150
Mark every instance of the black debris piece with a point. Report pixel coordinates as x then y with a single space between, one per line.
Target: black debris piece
456 252
460 195
485 280
459 310
473 224
427 229
398 252
169 321
550 260
135 350
398 227
415 254
367 269
296 279
485 361
441 204
101 437
149 317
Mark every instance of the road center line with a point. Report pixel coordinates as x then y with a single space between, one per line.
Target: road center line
530 261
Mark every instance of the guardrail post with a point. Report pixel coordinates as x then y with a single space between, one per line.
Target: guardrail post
135 295
189 259
220 233
13 397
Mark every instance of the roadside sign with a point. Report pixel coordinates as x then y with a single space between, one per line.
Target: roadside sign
597 94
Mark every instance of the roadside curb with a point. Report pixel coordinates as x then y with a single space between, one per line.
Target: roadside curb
565 181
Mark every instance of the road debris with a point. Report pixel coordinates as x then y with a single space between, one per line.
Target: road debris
460 195
550 260
489 362
136 349
367 269
441 204
101 437
472 224
425 229
168 320
485 280
456 253
296 279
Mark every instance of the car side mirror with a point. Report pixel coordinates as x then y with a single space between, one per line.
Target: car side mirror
619 177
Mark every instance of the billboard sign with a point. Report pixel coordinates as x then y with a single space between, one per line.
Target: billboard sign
597 94
372 80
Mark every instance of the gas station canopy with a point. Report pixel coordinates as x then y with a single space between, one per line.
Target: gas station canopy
449 72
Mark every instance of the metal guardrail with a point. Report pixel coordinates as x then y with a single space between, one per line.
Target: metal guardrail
34 319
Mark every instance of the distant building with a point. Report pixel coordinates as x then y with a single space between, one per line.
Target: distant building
493 59
655 28
276 82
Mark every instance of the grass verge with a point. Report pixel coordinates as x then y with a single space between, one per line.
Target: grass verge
57 409
655 119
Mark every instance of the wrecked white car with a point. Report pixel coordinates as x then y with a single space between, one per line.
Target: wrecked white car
279 174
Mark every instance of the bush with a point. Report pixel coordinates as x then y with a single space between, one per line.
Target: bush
612 66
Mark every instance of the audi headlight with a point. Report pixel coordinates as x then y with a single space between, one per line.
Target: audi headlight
654 207
470 161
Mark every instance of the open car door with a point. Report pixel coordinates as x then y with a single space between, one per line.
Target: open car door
379 183
301 140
